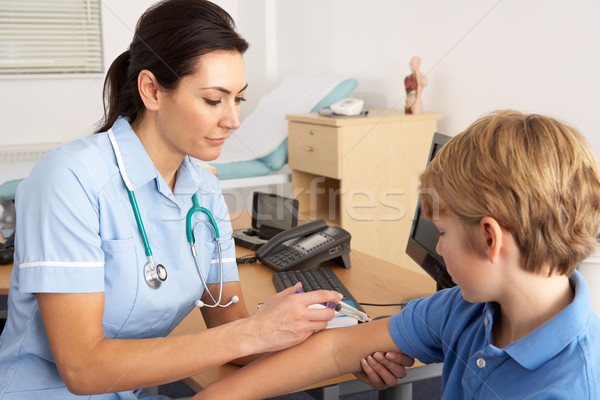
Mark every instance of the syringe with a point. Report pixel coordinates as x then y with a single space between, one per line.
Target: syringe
345 309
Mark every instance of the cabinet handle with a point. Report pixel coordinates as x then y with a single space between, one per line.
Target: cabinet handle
309 148
311 132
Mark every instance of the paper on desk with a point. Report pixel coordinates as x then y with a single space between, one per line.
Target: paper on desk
340 320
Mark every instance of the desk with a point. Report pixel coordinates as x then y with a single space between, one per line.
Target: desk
5 271
370 280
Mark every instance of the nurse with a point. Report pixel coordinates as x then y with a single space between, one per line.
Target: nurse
85 317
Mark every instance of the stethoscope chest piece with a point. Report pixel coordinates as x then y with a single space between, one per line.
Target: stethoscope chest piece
155 275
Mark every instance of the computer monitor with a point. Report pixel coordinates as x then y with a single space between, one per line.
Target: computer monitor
423 237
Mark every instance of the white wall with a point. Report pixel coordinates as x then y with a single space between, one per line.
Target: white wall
479 55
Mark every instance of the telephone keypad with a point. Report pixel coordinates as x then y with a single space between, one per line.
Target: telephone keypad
286 256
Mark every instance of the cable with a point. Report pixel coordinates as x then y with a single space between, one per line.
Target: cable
403 304
381 317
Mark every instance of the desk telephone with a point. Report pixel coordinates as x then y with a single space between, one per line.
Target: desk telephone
306 245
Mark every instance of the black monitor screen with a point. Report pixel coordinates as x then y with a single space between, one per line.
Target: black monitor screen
423 237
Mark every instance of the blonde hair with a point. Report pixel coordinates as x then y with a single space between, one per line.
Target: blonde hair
535 175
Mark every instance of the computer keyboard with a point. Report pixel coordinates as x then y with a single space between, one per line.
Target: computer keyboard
314 279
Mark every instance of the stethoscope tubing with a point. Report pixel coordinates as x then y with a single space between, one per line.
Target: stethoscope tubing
188 219
192 240
140 223
216 303
151 276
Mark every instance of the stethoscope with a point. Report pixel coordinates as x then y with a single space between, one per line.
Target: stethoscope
154 274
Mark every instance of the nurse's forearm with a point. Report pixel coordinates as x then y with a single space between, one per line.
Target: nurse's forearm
328 354
89 363
114 365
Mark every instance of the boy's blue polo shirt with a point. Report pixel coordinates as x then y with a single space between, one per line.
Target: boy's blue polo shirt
76 233
558 360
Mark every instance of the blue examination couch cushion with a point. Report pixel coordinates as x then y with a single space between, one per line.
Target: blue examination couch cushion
8 189
242 169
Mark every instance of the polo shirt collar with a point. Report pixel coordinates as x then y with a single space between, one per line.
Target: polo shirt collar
139 167
556 334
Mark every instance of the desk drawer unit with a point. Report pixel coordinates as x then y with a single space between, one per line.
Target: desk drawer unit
359 173
314 149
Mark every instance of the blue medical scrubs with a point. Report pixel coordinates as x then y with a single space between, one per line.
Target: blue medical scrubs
76 233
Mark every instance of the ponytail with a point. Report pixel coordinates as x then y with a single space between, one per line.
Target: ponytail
120 95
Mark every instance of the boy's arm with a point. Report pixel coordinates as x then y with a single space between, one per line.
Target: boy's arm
328 354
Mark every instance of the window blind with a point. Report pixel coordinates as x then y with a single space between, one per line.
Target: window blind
50 36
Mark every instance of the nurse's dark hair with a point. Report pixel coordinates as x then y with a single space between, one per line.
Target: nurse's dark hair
168 39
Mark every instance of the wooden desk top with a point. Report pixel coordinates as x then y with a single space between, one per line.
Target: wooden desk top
373 117
5 271
370 280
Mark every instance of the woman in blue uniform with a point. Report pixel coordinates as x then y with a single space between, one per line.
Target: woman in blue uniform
103 268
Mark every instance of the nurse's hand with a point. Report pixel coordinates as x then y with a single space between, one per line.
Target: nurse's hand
285 319
382 370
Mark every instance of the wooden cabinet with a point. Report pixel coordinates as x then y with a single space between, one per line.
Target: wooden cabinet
362 174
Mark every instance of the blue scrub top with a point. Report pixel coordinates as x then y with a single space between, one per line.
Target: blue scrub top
76 233
558 360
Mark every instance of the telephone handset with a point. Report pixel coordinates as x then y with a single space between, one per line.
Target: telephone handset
305 245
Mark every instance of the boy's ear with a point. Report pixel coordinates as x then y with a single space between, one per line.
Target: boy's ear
148 88
492 238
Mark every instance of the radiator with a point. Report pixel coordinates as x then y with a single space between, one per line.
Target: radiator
24 153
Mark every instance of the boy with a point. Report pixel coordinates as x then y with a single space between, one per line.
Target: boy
518 207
